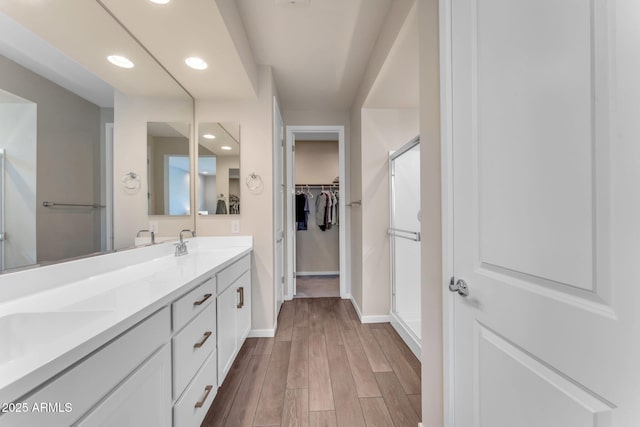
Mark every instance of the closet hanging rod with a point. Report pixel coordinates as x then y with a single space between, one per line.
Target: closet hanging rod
399 233
317 185
79 205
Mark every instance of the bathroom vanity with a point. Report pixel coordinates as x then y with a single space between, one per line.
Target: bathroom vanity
139 337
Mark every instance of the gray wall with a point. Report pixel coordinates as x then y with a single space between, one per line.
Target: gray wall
68 151
18 136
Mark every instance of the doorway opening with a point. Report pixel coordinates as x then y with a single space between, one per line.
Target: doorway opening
316 222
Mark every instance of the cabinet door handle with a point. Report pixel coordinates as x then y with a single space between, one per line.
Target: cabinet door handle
204 340
206 297
240 290
208 390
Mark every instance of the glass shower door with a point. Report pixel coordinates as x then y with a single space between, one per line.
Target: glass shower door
404 236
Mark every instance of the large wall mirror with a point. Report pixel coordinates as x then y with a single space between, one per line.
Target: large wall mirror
57 176
219 169
168 168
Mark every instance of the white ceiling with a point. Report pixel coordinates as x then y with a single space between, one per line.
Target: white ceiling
87 34
180 29
318 51
27 49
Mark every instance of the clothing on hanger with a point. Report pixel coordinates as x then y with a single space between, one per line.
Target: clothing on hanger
234 204
221 207
321 211
302 211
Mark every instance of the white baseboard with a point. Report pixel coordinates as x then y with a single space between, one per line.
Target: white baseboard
355 305
262 333
406 336
376 319
317 273
369 319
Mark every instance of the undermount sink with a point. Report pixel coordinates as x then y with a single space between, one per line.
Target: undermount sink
19 331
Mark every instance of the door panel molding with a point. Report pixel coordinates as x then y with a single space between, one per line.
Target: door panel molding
583 231
585 300
496 355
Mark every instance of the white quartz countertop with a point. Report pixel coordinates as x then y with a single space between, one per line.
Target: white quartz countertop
46 330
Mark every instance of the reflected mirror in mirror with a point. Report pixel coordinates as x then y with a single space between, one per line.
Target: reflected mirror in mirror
218 168
168 168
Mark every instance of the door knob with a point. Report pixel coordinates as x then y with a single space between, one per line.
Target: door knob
459 286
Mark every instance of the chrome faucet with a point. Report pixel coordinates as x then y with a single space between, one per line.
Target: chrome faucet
181 248
153 235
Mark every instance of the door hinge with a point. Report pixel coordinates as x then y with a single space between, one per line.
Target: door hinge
294 275
293 148
282 280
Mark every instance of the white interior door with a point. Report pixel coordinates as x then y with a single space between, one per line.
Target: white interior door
278 185
546 207
291 213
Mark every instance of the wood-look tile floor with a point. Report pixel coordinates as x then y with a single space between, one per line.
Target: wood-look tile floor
317 286
323 368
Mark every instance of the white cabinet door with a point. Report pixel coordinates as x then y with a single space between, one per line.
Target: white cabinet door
243 286
226 324
144 399
546 161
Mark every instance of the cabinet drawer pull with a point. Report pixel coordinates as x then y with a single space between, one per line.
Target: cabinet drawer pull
206 297
204 340
240 290
208 390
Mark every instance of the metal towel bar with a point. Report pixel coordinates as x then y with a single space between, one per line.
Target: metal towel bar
398 233
78 205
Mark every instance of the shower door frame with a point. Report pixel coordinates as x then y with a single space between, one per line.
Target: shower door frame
413 341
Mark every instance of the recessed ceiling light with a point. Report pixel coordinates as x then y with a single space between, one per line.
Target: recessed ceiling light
120 61
196 63
225 147
160 1
205 172
209 136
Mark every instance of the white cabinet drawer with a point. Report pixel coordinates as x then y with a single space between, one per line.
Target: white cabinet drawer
192 407
88 382
185 308
229 275
191 346
143 399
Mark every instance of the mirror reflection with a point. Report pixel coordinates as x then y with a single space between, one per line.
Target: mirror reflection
58 161
168 168
52 198
218 168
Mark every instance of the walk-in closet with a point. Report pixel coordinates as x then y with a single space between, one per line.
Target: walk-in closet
317 219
